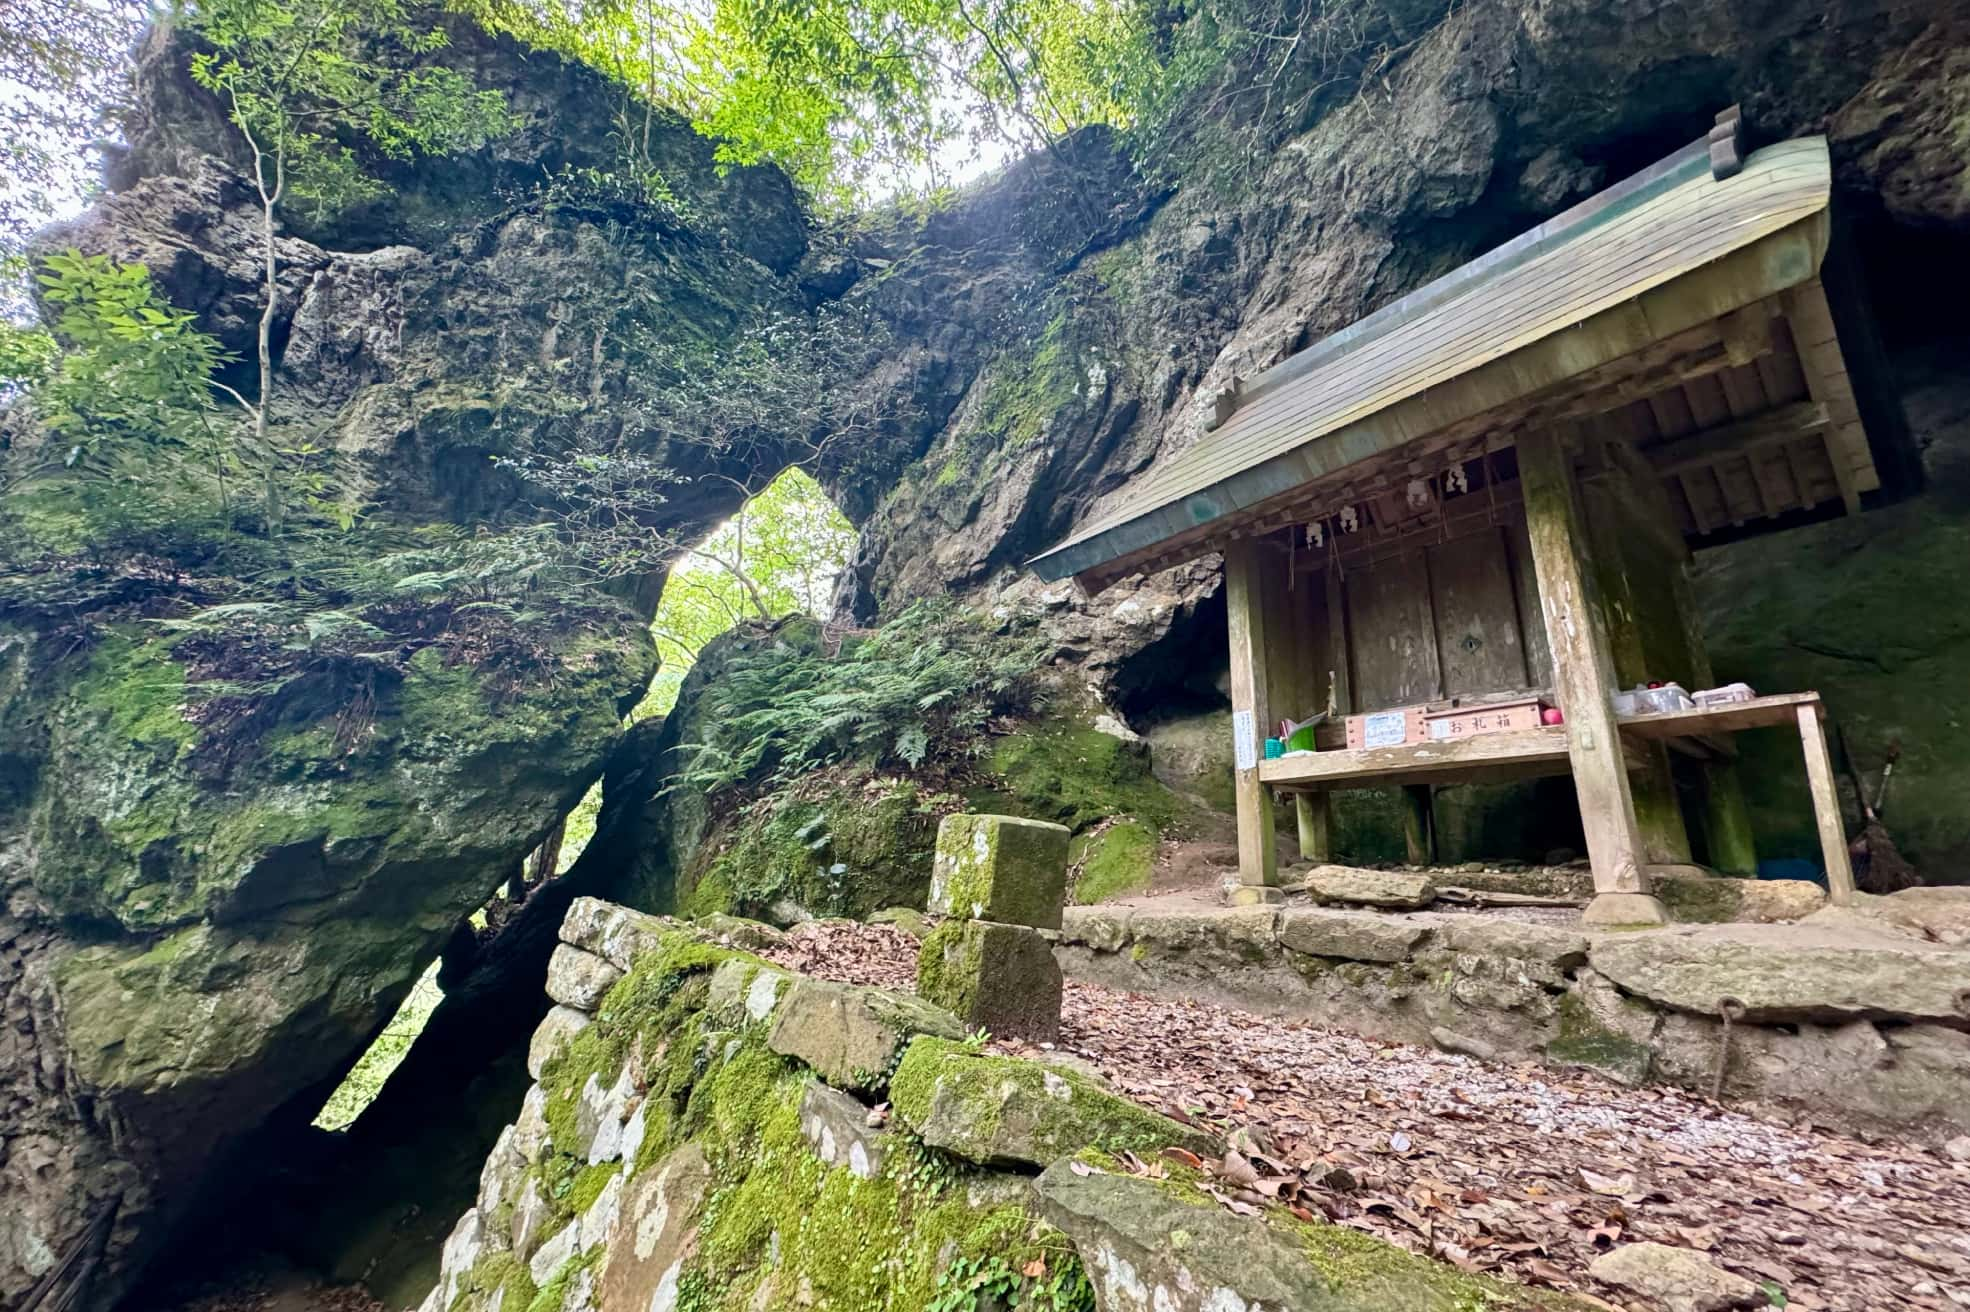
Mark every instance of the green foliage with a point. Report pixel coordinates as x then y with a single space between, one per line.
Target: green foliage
931 677
366 1078
779 555
308 83
60 62
120 373
856 97
984 1280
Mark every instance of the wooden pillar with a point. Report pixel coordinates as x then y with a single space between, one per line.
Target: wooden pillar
1638 557
1315 813
1583 677
1826 808
1418 822
1727 820
1727 829
1251 712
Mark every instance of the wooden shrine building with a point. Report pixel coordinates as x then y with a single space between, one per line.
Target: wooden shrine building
1485 495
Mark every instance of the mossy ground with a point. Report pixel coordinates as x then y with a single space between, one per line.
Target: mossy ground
1115 862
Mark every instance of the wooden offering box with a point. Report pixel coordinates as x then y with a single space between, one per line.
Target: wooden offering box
1493 717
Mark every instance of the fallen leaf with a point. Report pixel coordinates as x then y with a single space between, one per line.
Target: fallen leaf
1613 1185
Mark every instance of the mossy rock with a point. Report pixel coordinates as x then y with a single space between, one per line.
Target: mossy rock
1115 862
1000 1111
1001 868
865 844
1585 1041
853 1036
998 978
1165 1244
1062 770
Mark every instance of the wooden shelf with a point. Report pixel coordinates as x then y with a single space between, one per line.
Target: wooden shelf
1522 751
1758 713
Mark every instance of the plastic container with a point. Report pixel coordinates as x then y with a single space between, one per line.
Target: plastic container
1652 701
1728 695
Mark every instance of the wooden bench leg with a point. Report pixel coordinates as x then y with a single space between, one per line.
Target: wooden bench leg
1826 807
1315 813
1418 822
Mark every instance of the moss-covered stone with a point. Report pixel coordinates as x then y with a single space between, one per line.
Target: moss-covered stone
1063 770
853 1036
1584 1040
1002 868
1005 1112
998 978
848 847
1114 862
1163 1244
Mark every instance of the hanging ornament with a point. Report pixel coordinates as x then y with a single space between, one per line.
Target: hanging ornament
1456 480
1418 494
1316 534
1350 521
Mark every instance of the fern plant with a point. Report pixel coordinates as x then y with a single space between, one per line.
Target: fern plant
929 679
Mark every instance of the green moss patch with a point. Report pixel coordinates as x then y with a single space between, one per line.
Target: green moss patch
491 1274
1584 1041
1115 862
847 843
1002 1110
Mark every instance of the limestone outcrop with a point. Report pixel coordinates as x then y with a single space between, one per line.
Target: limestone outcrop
251 785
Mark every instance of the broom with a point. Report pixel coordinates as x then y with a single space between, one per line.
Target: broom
1879 866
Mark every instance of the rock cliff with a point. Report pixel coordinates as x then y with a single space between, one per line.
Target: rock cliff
206 917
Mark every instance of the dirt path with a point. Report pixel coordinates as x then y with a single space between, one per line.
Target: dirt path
1522 1169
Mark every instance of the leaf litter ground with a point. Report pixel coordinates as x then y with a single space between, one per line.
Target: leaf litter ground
1524 1170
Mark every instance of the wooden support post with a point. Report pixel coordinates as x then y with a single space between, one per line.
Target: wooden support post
1315 813
1727 820
1583 677
1418 838
1638 559
1251 712
1826 808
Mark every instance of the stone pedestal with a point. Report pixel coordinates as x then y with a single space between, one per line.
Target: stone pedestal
999 978
998 867
1625 909
1000 880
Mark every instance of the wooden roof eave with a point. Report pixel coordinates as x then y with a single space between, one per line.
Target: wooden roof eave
1774 263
